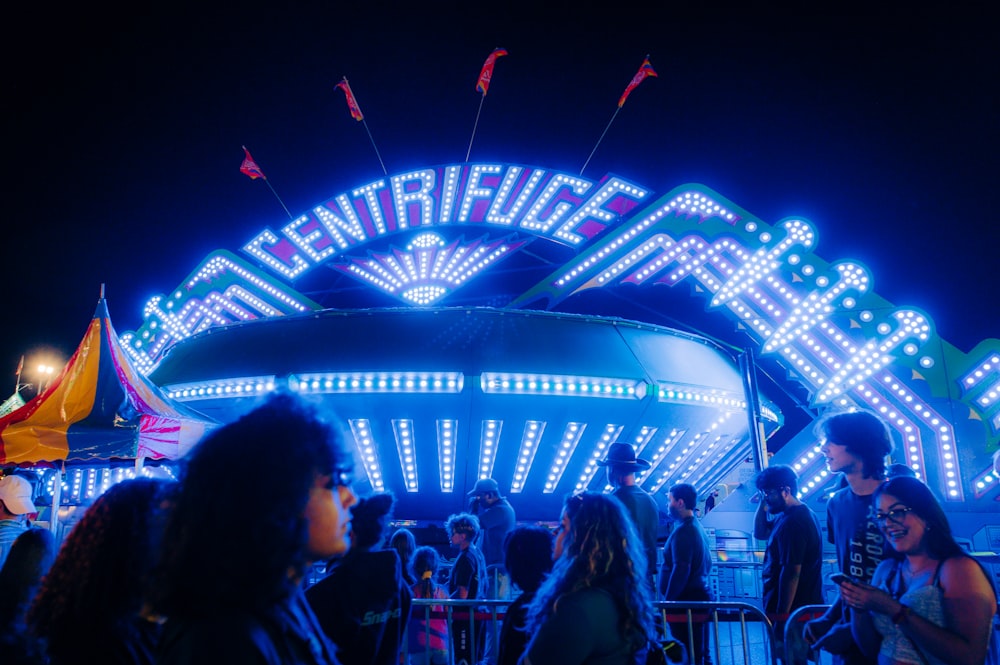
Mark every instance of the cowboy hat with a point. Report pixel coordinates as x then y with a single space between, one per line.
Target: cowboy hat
623 455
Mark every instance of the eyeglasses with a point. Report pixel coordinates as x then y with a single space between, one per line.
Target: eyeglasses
342 476
767 494
896 516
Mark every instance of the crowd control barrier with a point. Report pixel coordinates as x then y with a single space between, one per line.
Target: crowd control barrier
739 633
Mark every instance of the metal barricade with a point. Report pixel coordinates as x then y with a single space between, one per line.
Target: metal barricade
796 651
479 616
739 633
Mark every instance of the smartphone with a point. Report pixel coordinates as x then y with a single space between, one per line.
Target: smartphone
840 578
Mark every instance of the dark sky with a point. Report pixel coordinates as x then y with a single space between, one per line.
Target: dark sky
123 132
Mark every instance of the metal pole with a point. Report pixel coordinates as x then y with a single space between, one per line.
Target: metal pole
755 425
56 500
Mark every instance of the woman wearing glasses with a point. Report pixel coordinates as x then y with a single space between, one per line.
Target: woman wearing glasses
930 603
260 499
595 606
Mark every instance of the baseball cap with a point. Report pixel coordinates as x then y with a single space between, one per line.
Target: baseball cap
15 492
484 486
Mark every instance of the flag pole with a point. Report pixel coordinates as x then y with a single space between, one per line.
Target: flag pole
372 139
483 86
474 126
20 367
613 116
250 169
269 186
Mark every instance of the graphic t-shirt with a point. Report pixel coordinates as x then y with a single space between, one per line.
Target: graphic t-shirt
852 530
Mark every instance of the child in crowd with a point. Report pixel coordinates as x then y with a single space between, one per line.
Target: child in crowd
428 638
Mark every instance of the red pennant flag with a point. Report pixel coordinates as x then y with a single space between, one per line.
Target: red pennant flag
645 69
486 73
352 103
249 167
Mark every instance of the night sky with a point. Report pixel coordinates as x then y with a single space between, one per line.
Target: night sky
123 133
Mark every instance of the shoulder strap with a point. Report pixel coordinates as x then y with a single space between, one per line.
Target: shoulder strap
937 574
894 582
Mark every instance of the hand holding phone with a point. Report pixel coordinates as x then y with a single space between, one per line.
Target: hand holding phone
840 578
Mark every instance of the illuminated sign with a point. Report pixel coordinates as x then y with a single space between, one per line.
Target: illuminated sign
560 207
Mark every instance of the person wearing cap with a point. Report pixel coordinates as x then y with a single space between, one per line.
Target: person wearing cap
622 465
856 445
496 520
15 505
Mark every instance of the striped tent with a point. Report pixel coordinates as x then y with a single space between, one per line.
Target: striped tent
99 409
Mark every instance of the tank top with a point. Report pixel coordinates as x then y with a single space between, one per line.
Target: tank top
927 601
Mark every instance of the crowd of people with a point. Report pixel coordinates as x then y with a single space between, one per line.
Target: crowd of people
164 572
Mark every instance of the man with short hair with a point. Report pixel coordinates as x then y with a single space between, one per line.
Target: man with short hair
622 466
855 444
496 520
686 566
15 504
793 560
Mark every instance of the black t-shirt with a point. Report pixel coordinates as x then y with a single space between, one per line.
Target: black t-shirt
795 540
363 606
469 570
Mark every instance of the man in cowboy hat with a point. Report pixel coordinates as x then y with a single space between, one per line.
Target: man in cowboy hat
496 520
622 466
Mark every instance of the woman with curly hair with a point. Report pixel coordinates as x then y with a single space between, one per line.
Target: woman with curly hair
92 605
595 606
260 500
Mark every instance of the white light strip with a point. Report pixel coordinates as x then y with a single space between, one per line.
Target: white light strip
489 439
567 446
244 386
402 430
533 430
368 452
514 383
676 393
609 436
446 432
377 382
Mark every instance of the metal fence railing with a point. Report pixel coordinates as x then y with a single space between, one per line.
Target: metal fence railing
738 633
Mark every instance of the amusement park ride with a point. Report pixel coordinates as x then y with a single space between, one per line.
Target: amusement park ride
503 320
510 321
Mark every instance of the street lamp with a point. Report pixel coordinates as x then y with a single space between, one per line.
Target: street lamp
45 373
44 376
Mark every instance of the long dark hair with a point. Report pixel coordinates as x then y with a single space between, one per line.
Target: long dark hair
938 538
601 551
405 543
30 557
99 581
238 526
425 560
